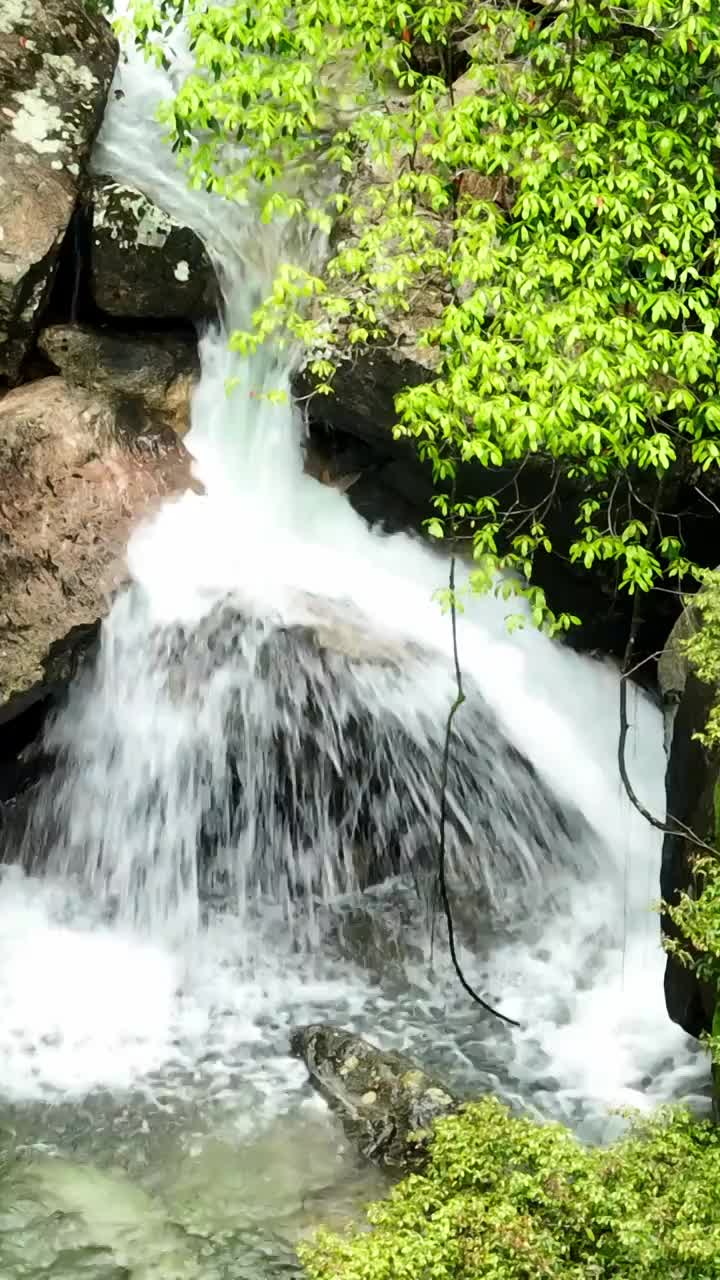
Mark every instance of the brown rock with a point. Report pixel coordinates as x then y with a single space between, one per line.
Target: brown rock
72 484
150 375
143 263
56 64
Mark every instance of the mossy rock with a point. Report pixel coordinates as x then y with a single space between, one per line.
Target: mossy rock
386 1103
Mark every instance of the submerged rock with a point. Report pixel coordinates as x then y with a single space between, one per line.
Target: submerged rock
145 376
56 63
72 484
386 1103
144 264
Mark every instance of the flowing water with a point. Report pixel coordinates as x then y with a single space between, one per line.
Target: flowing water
258 743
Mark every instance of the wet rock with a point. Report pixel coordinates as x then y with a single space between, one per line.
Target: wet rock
145 376
56 64
691 783
144 264
691 789
73 482
378 942
317 778
386 1103
672 670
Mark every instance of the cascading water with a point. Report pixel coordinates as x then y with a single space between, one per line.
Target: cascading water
259 740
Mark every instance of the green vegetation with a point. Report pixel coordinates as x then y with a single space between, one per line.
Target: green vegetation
506 1199
558 206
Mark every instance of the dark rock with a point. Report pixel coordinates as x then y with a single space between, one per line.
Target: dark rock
56 62
142 263
380 945
72 484
386 1103
144 376
393 488
692 776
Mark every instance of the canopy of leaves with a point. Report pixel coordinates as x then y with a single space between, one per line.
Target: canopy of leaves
506 1199
579 284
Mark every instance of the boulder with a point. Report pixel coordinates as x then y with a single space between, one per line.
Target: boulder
386 1103
142 263
149 376
73 482
56 62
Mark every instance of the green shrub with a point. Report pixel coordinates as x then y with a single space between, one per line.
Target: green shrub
503 1198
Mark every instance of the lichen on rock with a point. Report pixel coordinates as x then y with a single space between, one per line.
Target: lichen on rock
144 264
386 1103
56 64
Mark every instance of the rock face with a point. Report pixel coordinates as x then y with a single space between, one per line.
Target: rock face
149 376
73 482
144 264
56 64
387 1105
691 781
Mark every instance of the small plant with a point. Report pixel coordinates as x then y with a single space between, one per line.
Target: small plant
504 1198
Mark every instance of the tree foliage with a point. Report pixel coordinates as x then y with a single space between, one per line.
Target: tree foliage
506 1199
558 205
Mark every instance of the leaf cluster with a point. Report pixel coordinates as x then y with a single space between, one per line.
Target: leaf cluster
558 206
507 1199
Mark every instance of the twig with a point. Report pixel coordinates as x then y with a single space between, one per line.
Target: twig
714 505
442 877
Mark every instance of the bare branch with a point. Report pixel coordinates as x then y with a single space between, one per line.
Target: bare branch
442 877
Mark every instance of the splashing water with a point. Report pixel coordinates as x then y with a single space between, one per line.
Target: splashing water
259 741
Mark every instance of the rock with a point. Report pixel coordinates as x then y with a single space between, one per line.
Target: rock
672 671
324 750
381 944
152 375
368 378
73 482
56 63
386 1103
691 782
144 264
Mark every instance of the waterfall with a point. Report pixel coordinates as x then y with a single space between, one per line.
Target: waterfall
260 740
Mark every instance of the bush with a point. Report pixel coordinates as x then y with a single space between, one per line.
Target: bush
504 1198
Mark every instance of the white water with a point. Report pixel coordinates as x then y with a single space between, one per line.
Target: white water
114 977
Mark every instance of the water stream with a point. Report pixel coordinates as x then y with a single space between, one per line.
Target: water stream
238 836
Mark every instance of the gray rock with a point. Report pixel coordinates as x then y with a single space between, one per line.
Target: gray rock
144 264
386 1103
72 484
56 64
152 375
